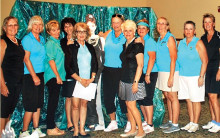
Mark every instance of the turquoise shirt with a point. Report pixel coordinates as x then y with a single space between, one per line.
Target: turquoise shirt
37 52
54 52
113 48
163 55
188 58
149 46
84 62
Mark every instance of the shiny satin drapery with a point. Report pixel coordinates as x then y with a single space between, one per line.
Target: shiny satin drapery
24 10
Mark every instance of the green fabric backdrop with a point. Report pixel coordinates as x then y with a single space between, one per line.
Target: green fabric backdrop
24 10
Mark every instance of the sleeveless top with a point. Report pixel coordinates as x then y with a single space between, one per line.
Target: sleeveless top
163 55
12 64
188 58
113 49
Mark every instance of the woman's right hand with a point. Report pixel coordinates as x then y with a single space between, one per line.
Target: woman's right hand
83 82
59 80
4 90
36 80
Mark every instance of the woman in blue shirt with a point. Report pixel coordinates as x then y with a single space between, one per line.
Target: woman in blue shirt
193 60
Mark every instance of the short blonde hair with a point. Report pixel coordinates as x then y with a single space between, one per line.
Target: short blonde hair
168 24
84 26
51 24
34 19
129 24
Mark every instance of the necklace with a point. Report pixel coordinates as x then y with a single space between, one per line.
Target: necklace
16 41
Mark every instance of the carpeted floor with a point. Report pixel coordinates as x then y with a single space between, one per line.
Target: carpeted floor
183 120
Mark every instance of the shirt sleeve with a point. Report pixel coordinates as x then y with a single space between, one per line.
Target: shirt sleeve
151 45
26 43
139 48
50 51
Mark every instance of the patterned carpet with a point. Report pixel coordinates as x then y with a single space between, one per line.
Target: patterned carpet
183 120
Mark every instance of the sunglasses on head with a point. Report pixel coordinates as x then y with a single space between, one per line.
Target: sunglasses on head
117 15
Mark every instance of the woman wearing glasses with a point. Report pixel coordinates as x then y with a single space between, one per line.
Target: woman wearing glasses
114 40
85 68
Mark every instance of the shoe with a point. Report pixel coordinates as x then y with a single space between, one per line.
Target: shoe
148 129
144 124
55 131
187 127
193 128
40 133
171 129
71 129
140 136
214 129
90 128
128 127
24 134
128 135
84 136
99 127
166 125
208 126
112 126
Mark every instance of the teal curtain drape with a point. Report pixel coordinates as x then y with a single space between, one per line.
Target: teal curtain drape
24 10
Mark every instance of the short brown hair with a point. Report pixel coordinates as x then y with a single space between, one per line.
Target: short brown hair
5 22
84 26
209 15
52 23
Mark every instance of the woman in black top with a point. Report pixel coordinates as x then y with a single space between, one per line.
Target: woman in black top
211 39
131 86
66 43
12 68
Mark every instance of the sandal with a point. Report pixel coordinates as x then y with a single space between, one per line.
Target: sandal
71 129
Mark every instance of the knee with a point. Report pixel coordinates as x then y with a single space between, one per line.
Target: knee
172 97
83 103
213 98
75 106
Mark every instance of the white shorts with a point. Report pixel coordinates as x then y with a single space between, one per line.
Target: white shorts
189 89
163 79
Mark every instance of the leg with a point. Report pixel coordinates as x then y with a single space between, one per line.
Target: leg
3 123
215 107
82 116
144 112
169 106
68 112
26 120
132 121
196 111
75 108
190 110
172 96
36 118
92 116
150 111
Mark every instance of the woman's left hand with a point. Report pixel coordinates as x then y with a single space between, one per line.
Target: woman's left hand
135 87
200 81
147 79
218 75
88 81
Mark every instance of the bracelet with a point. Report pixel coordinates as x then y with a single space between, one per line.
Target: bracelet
147 75
219 67
80 80
93 76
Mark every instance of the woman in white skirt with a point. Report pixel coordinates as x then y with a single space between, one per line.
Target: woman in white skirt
131 86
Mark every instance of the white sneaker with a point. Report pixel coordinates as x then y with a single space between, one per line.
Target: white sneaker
24 134
187 127
214 129
208 126
144 124
112 126
40 133
128 127
148 129
99 127
193 128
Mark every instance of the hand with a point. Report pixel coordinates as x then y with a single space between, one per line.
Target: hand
59 80
4 90
36 80
200 81
83 82
139 40
70 42
170 82
218 75
101 34
135 87
147 79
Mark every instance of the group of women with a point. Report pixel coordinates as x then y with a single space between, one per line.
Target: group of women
131 68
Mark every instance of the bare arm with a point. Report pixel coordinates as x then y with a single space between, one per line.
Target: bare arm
54 69
218 73
140 64
4 88
30 68
79 79
104 35
152 58
200 47
173 57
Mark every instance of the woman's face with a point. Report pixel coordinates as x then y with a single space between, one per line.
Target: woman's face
189 30
55 32
68 28
116 24
37 28
142 30
11 27
129 33
92 27
81 34
208 24
162 25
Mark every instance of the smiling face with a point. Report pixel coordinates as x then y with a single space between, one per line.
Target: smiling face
208 24
116 24
189 30
37 27
11 27
162 25
92 27
81 34
55 31
128 33
142 30
68 28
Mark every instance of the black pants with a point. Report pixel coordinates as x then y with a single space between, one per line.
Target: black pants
111 78
53 98
92 116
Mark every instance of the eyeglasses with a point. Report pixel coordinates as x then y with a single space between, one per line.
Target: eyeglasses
161 23
81 32
117 15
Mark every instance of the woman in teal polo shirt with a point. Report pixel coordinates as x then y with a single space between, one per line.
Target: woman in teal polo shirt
54 74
